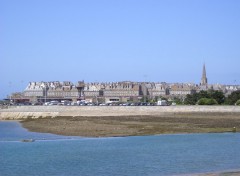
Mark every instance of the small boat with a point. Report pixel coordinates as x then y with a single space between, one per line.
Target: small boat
27 140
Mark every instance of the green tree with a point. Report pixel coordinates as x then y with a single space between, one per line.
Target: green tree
211 94
156 98
238 103
191 99
233 97
202 94
178 101
144 99
207 101
217 95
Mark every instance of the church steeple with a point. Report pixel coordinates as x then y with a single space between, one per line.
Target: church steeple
204 76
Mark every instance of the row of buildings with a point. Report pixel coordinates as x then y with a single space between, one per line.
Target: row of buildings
114 91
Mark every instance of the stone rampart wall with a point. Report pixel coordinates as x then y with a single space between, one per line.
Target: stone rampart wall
17 113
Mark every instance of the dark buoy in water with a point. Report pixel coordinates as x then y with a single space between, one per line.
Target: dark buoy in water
234 130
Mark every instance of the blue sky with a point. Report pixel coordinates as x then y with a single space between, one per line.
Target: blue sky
117 40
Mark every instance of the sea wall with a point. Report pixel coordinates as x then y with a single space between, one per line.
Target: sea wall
20 112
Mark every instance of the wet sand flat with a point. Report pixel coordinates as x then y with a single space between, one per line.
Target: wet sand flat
109 126
237 173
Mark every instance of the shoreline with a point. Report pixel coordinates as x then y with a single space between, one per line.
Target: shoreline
214 173
217 173
120 126
125 120
221 173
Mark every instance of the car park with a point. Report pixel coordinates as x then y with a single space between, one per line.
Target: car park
37 103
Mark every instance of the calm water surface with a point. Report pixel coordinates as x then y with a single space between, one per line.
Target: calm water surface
129 156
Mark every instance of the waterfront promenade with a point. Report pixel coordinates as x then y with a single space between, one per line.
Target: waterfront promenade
22 112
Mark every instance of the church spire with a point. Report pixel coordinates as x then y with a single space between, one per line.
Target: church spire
204 76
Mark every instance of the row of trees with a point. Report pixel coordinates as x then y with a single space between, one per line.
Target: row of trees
212 97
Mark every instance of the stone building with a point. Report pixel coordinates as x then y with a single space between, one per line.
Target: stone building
101 92
92 90
158 90
180 90
121 91
228 89
64 90
34 91
46 91
115 91
204 81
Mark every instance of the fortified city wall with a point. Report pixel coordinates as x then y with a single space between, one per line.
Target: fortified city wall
22 112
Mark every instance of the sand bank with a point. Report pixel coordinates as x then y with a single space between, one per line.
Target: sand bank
109 126
102 121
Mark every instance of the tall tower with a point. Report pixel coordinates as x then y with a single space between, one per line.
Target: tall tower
204 76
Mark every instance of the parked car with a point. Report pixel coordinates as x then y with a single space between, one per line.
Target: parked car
27 103
37 103
102 104
74 104
162 103
66 102
46 103
53 103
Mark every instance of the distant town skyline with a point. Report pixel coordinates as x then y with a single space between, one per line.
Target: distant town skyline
110 41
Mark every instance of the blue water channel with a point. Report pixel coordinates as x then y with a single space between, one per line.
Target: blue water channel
160 155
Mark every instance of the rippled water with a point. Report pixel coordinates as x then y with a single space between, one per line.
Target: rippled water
129 156
13 131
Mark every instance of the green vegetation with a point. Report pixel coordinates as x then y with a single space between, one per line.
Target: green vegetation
213 97
210 97
207 101
233 98
178 101
238 102
144 99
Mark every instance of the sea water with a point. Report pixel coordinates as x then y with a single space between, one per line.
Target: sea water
160 155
